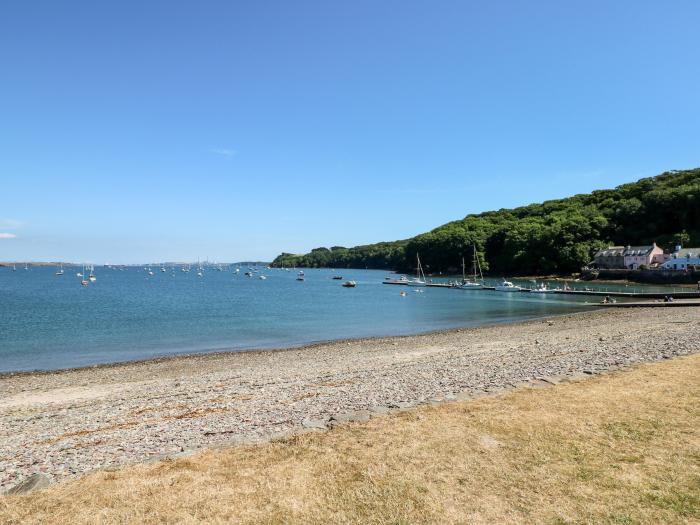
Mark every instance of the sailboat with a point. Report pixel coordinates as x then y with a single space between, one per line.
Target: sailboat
419 280
92 274
473 284
83 280
14 267
60 272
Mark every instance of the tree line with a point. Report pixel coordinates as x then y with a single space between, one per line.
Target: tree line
554 237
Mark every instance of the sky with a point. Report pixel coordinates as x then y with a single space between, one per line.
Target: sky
223 130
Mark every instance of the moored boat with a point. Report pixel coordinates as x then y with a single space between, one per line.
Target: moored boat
507 286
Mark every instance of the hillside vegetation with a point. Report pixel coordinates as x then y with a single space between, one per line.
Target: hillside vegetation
554 237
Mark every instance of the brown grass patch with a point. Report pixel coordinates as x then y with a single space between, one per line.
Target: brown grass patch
619 449
81 433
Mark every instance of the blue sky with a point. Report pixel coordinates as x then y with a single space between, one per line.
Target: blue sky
147 131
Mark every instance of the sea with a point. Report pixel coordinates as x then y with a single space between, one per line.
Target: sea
50 322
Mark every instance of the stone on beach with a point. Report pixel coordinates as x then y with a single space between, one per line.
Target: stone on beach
34 482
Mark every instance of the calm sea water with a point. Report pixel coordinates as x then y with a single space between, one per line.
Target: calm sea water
50 322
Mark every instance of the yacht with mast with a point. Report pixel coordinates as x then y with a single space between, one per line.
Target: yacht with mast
473 284
419 279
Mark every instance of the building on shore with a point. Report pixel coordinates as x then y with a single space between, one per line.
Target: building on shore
638 256
629 257
682 259
610 258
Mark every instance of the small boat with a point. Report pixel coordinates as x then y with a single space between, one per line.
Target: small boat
300 277
199 273
507 286
349 284
337 277
262 277
60 272
301 273
14 268
249 274
402 293
542 288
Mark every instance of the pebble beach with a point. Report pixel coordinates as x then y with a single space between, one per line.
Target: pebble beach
67 423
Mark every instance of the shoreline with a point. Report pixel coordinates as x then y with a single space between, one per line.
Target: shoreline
67 423
215 353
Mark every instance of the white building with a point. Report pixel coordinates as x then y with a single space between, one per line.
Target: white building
681 258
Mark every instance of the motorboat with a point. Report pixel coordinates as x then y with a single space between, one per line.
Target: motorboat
262 277
337 277
349 284
507 286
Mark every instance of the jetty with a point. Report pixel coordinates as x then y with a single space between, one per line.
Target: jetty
676 294
634 295
652 304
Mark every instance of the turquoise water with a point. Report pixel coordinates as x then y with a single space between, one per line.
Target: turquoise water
50 322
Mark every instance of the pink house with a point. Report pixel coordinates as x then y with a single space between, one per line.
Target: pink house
636 256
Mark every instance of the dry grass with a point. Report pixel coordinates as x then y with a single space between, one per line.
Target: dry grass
622 448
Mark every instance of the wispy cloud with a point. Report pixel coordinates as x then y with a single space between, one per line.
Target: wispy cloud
226 152
7 236
10 224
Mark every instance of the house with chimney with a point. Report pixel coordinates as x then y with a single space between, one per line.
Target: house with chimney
636 256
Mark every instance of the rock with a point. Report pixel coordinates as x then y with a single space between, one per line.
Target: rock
34 482
380 410
360 416
314 423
